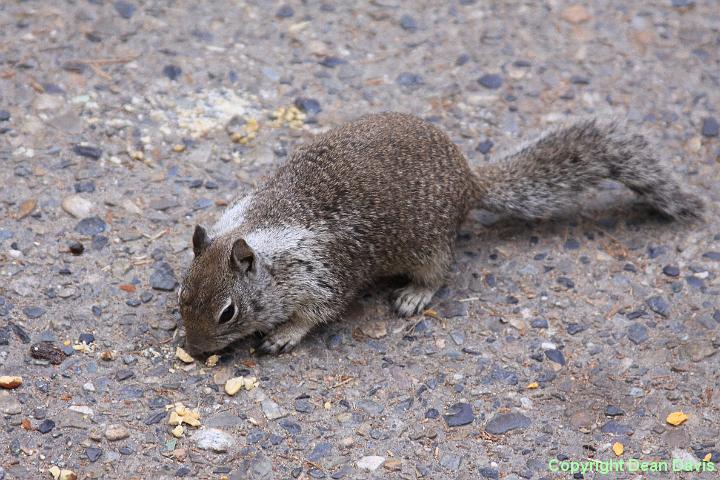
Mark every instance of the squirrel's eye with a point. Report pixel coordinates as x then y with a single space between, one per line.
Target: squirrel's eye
227 314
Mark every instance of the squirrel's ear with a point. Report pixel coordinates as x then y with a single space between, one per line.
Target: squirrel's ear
200 240
242 258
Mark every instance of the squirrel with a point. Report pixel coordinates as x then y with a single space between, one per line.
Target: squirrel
383 196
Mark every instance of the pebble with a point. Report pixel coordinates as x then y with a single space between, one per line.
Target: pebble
46 426
491 81
616 428
659 305
285 11
370 463
88 151
710 127
637 333
451 461
76 248
163 277
571 244
33 312
375 329
214 440
484 147
47 351
272 410
172 72
539 323
489 472
115 432
4 115
407 79
289 426
307 105
332 62
125 9
459 414
86 338
671 271
505 422
408 23
77 206
613 411
575 14
714 256
90 226
321 450
555 356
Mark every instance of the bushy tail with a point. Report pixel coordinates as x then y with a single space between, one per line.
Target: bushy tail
544 178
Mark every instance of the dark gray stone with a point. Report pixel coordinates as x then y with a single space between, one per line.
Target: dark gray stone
505 422
659 305
163 277
491 81
459 414
90 226
637 333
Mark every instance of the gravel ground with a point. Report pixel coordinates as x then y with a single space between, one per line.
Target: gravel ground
125 123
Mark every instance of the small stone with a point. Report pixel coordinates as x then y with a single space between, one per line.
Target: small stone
575 14
172 72
613 411
393 465
556 356
321 450
125 9
272 410
88 151
163 277
407 79
47 351
77 206
285 11
671 271
459 414
46 426
714 256
87 186
710 127
375 329
10 382
571 244
115 432
505 422
565 282
370 463
87 338
309 106
539 323
485 146
93 453
488 472
90 226
491 81
451 461
76 248
214 440
332 62
4 115
616 428
408 23
303 405
637 333
33 312
289 426
659 305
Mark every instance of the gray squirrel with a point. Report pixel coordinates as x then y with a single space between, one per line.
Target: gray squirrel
384 196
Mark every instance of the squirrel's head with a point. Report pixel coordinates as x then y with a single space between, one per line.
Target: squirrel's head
221 295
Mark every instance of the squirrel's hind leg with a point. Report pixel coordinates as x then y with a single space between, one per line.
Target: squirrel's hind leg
425 279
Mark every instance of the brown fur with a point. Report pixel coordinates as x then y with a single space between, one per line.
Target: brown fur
382 196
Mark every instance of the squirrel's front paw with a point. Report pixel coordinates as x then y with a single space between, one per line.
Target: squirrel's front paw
283 339
412 299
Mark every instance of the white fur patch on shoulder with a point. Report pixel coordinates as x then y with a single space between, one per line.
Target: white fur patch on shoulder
268 241
232 217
